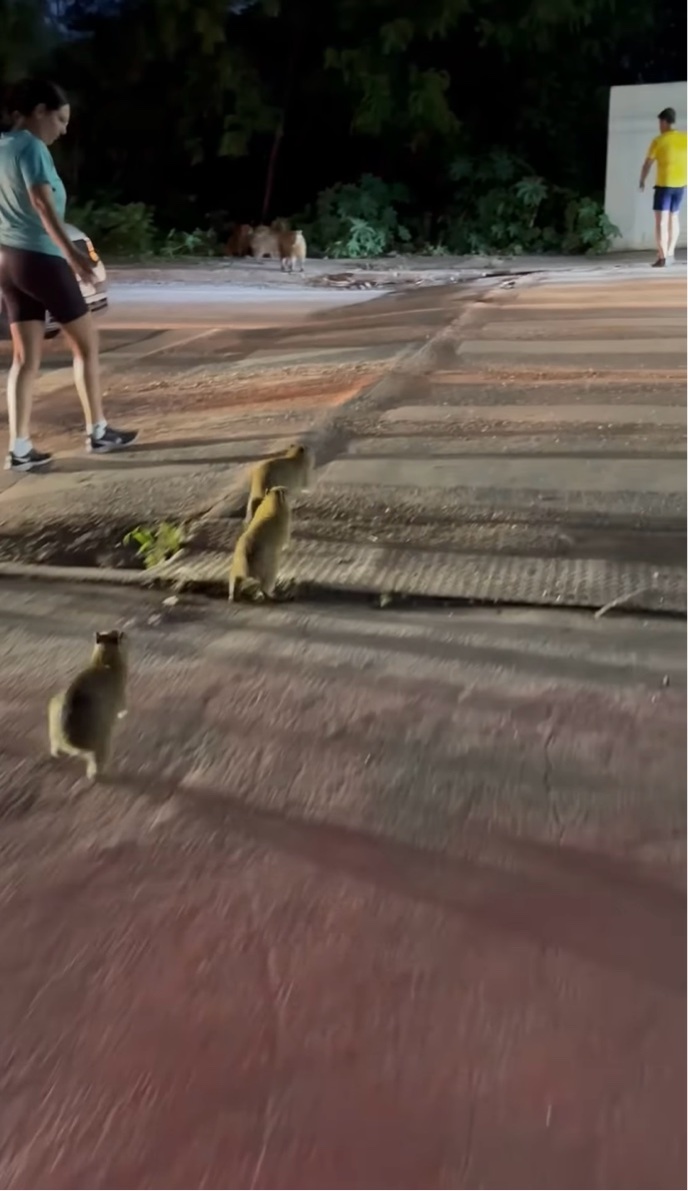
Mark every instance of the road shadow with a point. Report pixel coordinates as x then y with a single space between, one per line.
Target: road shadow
602 911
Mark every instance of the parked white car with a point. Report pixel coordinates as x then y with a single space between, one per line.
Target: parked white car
95 292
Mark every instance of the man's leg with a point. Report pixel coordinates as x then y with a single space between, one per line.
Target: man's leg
675 223
662 234
674 233
660 206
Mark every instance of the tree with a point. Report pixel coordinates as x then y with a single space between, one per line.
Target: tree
27 36
250 105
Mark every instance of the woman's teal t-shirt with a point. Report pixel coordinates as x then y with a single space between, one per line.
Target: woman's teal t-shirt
26 161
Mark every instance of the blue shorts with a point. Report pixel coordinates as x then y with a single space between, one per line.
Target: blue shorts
668 198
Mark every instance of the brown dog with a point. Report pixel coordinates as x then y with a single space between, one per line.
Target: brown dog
264 242
292 250
239 242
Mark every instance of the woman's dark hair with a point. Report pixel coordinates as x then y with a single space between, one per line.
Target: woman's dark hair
24 97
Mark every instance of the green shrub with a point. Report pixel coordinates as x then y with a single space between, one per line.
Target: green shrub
502 207
588 227
499 206
357 219
129 230
117 229
177 243
155 543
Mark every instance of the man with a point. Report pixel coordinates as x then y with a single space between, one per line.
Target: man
669 151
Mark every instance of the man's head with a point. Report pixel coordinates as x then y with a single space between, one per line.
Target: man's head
667 119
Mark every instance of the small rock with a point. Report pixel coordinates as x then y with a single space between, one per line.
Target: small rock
666 680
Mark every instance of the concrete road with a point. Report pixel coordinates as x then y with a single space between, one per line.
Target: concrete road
374 897
370 900
519 440
208 401
139 310
222 304
534 451
528 434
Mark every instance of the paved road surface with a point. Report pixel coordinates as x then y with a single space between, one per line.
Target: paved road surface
371 900
374 897
208 401
510 432
188 305
534 451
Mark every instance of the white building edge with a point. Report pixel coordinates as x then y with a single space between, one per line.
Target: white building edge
633 115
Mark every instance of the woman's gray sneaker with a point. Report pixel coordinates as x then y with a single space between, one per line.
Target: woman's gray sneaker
29 462
110 440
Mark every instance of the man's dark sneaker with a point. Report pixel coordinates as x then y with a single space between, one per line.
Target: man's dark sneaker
660 263
32 460
110 440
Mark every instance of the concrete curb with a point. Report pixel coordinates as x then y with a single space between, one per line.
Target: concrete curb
103 575
631 589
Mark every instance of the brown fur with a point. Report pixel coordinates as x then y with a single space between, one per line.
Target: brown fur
258 552
292 470
239 242
264 242
292 250
81 720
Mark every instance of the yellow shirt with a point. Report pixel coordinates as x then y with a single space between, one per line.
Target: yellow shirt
669 151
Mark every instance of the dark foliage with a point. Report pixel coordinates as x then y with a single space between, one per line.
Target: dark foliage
483 120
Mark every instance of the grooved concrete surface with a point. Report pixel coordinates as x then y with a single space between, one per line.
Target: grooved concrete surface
445 462
555 475
584 583
573 435
580 414
557 347
370 900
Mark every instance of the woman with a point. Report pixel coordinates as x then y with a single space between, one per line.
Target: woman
38 263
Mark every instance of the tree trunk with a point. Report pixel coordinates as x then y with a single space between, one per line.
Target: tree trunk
272 165
279 132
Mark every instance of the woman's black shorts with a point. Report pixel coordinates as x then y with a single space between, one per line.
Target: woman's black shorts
33 283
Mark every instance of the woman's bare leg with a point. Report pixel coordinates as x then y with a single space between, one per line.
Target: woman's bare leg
82 336
27 350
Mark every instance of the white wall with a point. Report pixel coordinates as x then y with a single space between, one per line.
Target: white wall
632 125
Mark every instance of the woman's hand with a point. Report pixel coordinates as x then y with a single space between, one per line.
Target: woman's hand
42 201
82 265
